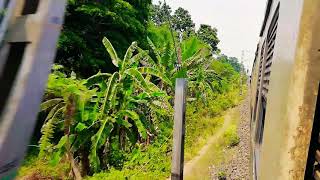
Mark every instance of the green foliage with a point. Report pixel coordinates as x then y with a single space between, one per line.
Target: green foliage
152 161
182 21
87 22
193 46
222 175
113 54
114 174
196 57
203 119
48 131
97 142
233 61
118 125
231 136
105 105
161 36
160 13
209 35
59 88
198 129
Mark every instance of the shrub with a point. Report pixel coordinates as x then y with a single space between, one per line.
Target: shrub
222 175
231 137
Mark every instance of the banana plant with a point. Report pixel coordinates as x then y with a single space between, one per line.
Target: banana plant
105 103
124 92
195 66
203 81
67 121
59 89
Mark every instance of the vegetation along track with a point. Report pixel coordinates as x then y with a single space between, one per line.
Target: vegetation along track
107 109
238 166
192 166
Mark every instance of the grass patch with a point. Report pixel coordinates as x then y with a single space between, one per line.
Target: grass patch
198 133
204 119
39 169
126 174
35 168
216 154
219 151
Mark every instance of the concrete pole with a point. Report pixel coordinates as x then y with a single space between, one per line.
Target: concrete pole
179 129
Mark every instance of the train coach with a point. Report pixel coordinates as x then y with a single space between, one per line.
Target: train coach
284 91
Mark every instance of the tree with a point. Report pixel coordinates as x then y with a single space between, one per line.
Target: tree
182 22
160 13
87 22
209 35
233 61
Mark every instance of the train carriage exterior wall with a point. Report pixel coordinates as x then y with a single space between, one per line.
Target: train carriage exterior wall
284 89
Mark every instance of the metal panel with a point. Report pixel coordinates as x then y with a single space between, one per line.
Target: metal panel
21 106
271 37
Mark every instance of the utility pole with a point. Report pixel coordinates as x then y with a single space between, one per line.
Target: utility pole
179 118
179 129
26 56
179 113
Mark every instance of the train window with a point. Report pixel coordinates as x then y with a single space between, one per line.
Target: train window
261 63
10 70
30 7
261 120
313 164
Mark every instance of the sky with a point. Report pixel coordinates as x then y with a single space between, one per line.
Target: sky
238 23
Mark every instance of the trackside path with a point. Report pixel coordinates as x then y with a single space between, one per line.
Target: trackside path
191 168
215 158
